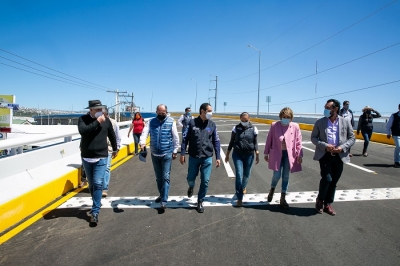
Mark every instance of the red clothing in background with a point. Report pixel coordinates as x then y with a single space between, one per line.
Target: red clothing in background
138 125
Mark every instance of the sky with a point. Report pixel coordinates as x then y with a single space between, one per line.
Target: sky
172 52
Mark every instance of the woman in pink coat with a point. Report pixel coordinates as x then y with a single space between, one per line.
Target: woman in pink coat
283 152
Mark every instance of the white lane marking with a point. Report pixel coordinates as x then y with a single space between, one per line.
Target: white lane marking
228 167
229 199
356 166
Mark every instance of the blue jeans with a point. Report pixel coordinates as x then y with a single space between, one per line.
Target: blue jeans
95 176
162 169
107 175
204 165
283 171
367 134
136 139
243 163
397 149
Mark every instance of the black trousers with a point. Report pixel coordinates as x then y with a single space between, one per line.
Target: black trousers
331 170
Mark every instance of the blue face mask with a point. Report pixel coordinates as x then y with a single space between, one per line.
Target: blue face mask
285 121
327 113
188 113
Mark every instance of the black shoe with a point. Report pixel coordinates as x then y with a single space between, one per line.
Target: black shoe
163 207
158 200
396 165
200 208
94 218
190 192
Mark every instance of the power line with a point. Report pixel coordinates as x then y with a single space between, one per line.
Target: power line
86 85
326 96
294 25
340 93
324 40
276 37
319 72
53 69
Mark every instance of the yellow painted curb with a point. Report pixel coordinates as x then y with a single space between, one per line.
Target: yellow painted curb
376 137
18 209
36 217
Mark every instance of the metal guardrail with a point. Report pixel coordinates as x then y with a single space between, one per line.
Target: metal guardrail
16 145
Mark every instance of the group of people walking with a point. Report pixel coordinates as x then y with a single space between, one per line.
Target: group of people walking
283 151
332 136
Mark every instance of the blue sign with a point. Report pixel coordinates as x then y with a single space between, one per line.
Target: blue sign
13 106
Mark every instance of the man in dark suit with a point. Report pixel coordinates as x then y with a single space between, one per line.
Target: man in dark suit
333 137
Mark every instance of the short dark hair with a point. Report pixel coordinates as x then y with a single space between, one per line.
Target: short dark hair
345 102
244 113
204 107
187 108
399 105
335 104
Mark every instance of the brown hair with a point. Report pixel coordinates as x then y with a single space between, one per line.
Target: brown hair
286 111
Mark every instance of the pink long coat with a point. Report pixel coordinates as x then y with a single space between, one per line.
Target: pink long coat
273 145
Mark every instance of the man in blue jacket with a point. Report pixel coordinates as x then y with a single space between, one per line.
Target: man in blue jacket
164 143
202 137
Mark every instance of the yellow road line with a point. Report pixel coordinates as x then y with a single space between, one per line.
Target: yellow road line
13 232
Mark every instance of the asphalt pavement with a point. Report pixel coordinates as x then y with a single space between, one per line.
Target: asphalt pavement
365 232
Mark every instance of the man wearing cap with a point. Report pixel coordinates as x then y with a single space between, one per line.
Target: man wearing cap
94 128
107 175
164 142
332 136
393 130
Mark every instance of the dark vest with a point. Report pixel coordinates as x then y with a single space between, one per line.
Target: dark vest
396 124
185 121
366 121
161 136
244 139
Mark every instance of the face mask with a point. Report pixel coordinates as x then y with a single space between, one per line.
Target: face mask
327 113
285 121
209 115
346 107
161 117
188 113
245 124
98 114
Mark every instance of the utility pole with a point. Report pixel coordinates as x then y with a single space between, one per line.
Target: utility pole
216 93
117 103
130 103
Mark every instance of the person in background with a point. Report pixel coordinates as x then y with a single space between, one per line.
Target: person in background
332 136
94 129
283 152
244 144
137 127
393 130
164 143
107 175
366 126
202 136
347 113
184 120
